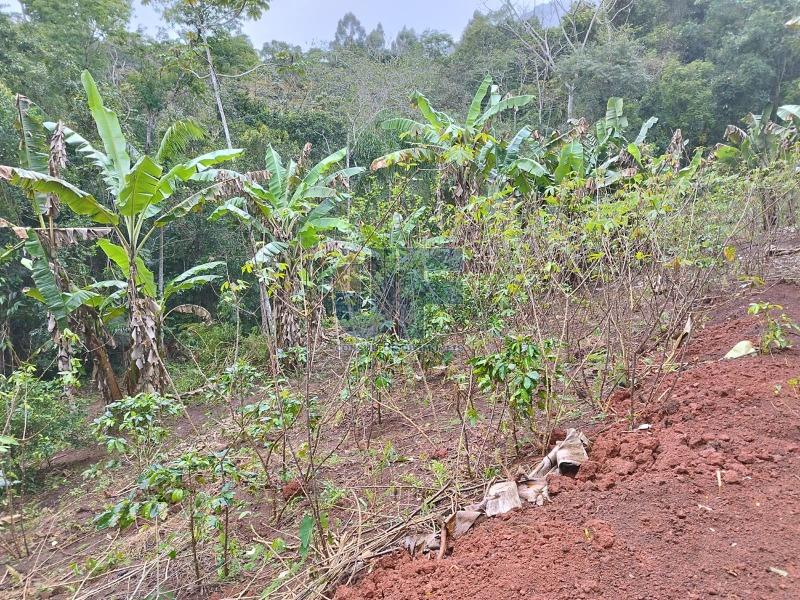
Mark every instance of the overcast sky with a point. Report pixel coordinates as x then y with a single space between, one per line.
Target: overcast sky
305 22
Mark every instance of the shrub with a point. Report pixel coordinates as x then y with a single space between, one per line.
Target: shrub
38 420
524 372
133 426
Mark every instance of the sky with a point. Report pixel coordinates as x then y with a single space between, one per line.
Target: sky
306 22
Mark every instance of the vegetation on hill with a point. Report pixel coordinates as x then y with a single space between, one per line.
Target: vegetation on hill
237 269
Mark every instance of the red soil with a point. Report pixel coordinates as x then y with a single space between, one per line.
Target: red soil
704 504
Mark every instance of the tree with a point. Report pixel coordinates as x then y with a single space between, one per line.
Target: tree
759 146
577 28
462 150
375 42
435 44
200 20
683 99
69 311
358 88
349 32
42 54
291 214
613 66
138 192
405 41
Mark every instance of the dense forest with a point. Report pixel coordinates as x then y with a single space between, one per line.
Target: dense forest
292 302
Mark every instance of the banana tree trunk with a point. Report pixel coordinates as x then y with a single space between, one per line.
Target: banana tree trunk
267 318
106 378
147 372
64 352
288 325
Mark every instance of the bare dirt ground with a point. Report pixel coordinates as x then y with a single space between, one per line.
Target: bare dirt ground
704 504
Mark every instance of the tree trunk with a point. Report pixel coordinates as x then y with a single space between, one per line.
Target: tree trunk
217 96
64 352
570 101
288 329
106 378
146 372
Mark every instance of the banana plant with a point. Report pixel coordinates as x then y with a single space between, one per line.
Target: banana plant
113 304
138 191
463 150
72 309
763 141
36 155
292 215
759 146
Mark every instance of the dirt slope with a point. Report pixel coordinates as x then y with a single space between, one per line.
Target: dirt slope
705 504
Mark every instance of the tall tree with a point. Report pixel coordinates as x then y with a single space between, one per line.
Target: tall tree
349 32
376 40
199 20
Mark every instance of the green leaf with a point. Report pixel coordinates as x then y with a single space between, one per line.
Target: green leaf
192 278
727 153
318 192
321 210
7 440
403 126
634 151
46 282
79 202
218 178
82 146
528 165
435 118
139 190
459 154
188 284
502 106
144 276
277 185
232 206
308 236
646 126
571 160
477 102
179 135
324 166
343 174
512 152
269 252
191 169
306 534
328 223
33 147
109 130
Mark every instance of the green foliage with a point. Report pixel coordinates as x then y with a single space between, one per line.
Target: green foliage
203 485
134 427
38 422
524 372
779 326
683 99
267 421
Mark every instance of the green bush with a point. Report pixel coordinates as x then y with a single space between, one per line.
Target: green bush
133 427
208 350
38 419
